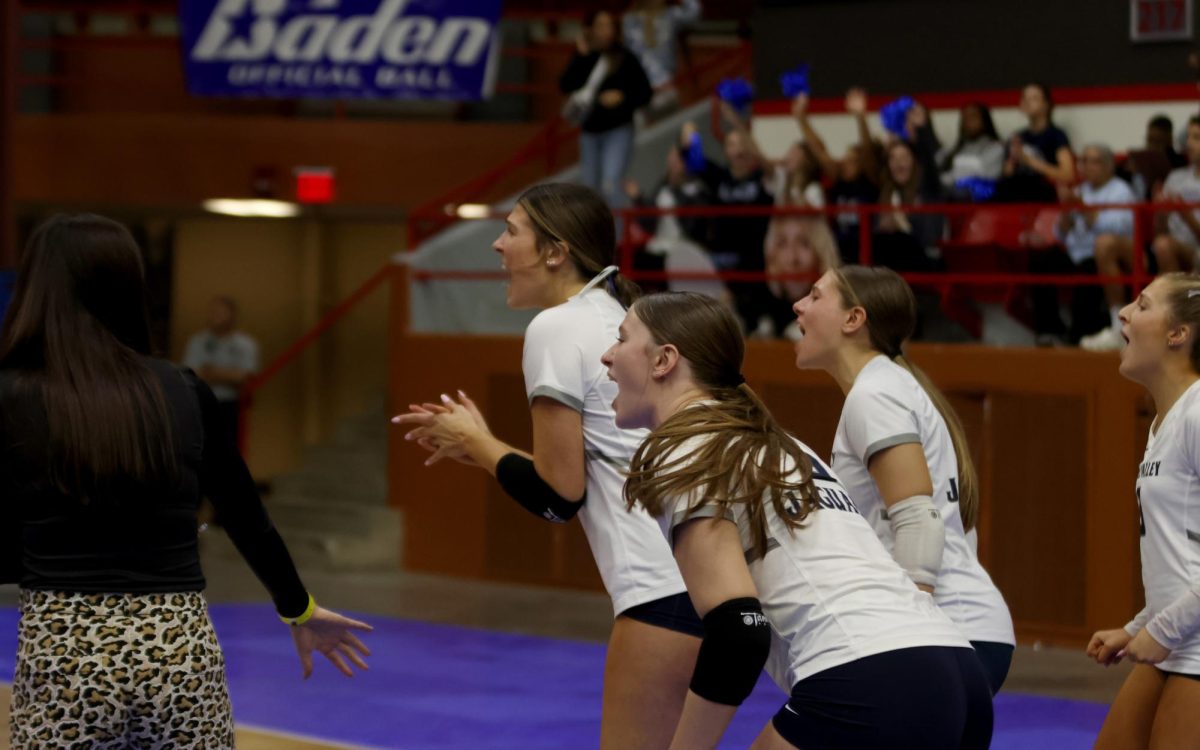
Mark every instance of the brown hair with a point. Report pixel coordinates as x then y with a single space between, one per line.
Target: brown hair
910 191
795 182
744 454
891 312
75 337
580 219
1183 305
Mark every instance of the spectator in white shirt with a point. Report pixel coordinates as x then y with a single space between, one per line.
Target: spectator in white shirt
1177 233
1106 235
1092 238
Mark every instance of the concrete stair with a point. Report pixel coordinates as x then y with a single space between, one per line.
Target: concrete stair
332 510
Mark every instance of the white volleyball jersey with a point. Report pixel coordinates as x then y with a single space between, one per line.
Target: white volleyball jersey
1168 495
831 591
561 361
886 407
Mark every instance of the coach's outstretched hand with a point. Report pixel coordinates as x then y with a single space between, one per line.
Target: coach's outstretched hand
331 634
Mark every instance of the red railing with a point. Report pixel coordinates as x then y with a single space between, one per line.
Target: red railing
1138 278
297 347
1025 214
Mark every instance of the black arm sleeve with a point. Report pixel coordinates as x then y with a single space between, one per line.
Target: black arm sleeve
519 478
226 481
577 72
639 91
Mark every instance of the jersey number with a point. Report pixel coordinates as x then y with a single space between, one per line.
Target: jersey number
952 495
1141 518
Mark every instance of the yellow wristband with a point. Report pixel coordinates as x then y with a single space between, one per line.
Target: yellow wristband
304 616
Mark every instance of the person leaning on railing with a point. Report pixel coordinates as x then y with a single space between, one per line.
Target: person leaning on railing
796 245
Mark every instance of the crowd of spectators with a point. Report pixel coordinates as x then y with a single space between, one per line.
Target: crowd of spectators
625 65
906 168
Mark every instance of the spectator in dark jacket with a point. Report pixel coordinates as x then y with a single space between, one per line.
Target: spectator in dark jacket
605 85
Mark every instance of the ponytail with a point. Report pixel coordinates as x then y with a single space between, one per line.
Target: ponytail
623 290
727 451
968 480
577 217
891 310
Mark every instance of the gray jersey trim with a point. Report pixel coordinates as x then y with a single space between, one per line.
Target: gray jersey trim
549 392
704 511
1193 536
890 442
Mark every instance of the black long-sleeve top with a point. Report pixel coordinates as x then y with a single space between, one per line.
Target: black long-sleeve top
627 76
144 540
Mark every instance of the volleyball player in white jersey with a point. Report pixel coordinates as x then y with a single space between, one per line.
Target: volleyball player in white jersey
557 245
901 451
1156 707
777 558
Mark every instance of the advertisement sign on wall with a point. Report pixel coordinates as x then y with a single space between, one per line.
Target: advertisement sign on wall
396 49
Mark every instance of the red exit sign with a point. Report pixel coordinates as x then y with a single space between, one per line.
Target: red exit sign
315 185
1159 20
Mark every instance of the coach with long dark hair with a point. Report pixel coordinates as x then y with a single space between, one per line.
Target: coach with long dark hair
104 455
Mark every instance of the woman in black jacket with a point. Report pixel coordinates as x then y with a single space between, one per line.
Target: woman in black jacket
105 453
605 84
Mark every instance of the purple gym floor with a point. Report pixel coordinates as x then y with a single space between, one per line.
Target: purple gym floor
437 686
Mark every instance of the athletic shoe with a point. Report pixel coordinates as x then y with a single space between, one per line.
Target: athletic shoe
1106 340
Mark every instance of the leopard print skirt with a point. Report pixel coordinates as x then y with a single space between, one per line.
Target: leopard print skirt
109 671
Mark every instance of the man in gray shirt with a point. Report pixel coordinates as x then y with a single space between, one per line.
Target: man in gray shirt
223 357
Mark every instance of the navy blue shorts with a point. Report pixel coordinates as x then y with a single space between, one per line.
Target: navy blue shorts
673 612
995 658
926 698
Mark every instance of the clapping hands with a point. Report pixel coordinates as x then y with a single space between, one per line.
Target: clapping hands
445 428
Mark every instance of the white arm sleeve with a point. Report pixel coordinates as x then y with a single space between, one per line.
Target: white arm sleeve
1138 622
920 538
1177 621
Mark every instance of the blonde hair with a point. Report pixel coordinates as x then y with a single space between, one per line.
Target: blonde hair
819 238
745 456
891 318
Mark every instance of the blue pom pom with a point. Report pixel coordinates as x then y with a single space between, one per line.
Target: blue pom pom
979 188
894 113
795 82
737 92
694 156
